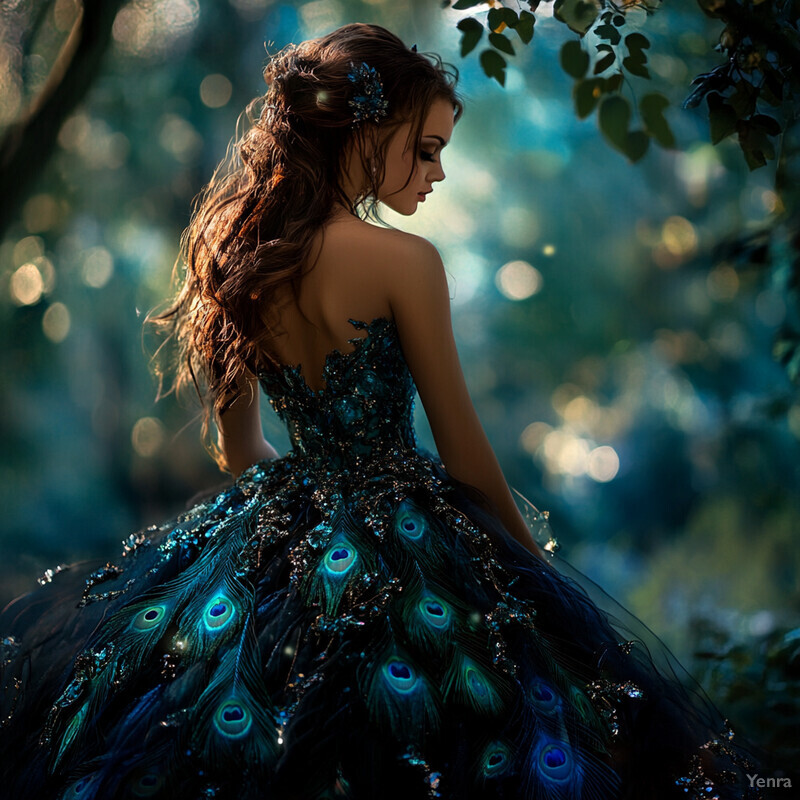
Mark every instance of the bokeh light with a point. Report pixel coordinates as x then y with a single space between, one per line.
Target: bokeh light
215 90
150 29
97 268
179 137
251 9
26 285
147 436
723 283
678 242
56 322
602 464
518 280
41 212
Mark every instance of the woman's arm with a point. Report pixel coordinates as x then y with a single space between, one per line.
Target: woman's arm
240 436
420 301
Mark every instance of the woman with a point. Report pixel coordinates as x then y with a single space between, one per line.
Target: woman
357 618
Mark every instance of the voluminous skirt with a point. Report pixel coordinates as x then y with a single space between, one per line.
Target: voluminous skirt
381 636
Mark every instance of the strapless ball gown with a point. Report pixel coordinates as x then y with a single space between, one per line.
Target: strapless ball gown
347 621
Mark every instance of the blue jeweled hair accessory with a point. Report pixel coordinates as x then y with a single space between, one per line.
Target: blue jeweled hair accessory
368 101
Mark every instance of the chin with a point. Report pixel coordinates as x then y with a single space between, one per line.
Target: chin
405 209
405 206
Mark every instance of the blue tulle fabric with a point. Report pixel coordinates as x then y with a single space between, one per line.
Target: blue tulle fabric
347 621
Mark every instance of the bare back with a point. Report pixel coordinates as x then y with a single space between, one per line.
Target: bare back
347 281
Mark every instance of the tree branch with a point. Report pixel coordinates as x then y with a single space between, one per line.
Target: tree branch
28 144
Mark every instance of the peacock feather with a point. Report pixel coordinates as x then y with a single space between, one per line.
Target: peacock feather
198 618
470 679
429 614
214 613
548 706
84 788
417 531
555 770
346 557
583 715
495 761
470 683
234 721
398 693
74 727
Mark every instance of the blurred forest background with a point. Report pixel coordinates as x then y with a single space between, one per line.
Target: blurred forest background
622 367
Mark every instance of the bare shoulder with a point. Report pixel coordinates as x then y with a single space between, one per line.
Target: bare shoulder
389 244
406 261
390 262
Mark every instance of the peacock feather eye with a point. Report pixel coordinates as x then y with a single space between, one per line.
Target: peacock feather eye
435 612
409 522
581 703
496 759
147 784
476 683
80 789
556 762
219 612
233 719
149 618
340 558
400 675
543 697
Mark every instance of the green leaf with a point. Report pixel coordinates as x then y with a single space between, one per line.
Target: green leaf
636 145
574 59
721 117
743 100
494 65
772 88
577 14
525 26
766 123
608 32
586 94
613 118
460 4
636 41
651 107
757 148
604 63
497 16
635 64
501 43
471 32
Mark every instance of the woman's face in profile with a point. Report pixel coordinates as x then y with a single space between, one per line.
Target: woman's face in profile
425 166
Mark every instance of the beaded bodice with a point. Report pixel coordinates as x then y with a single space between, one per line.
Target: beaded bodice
364 409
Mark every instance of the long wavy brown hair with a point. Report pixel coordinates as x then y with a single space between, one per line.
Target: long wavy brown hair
253 225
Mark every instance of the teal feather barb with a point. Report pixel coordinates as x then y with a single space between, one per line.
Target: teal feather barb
399 694
187 617
342 563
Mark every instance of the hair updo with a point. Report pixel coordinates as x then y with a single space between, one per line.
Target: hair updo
253 224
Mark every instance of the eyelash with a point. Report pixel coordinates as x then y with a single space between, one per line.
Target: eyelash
426 156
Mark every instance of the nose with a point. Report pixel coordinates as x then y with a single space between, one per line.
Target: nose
438 174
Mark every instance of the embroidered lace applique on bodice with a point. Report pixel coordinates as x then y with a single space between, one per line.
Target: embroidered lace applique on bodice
364 409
